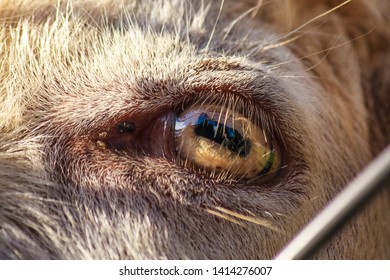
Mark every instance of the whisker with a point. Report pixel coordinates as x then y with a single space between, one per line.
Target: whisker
276 45
225 217
257 8
250 212
215 25
253 220
314 19
326 50
229 28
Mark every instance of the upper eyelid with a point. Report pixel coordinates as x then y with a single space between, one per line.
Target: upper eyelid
244 82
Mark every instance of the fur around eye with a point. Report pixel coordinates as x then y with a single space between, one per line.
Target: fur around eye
224 141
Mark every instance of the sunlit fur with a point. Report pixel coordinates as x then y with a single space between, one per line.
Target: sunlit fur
314 73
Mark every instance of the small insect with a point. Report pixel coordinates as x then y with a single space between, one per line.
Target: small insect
126 127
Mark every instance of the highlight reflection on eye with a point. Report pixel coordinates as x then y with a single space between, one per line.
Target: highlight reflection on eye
222 140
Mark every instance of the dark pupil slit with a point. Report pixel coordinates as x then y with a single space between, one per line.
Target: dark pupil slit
223 135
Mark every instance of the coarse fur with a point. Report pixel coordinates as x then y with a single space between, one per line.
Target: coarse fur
314 72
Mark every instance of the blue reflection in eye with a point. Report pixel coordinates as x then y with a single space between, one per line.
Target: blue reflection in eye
222 134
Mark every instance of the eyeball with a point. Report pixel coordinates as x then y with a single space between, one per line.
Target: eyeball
221 140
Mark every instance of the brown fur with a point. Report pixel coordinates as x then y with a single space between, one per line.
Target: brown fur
70 72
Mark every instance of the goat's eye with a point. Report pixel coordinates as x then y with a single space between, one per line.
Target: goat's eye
224 141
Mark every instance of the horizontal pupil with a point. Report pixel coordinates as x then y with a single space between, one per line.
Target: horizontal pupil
223 135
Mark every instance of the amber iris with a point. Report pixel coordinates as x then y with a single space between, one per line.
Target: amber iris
223 140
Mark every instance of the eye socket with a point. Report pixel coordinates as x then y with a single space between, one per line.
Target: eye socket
221 140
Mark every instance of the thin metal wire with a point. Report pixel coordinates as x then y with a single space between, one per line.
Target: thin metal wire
355 195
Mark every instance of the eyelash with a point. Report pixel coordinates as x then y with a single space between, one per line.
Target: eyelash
231 102
274 157
256 113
